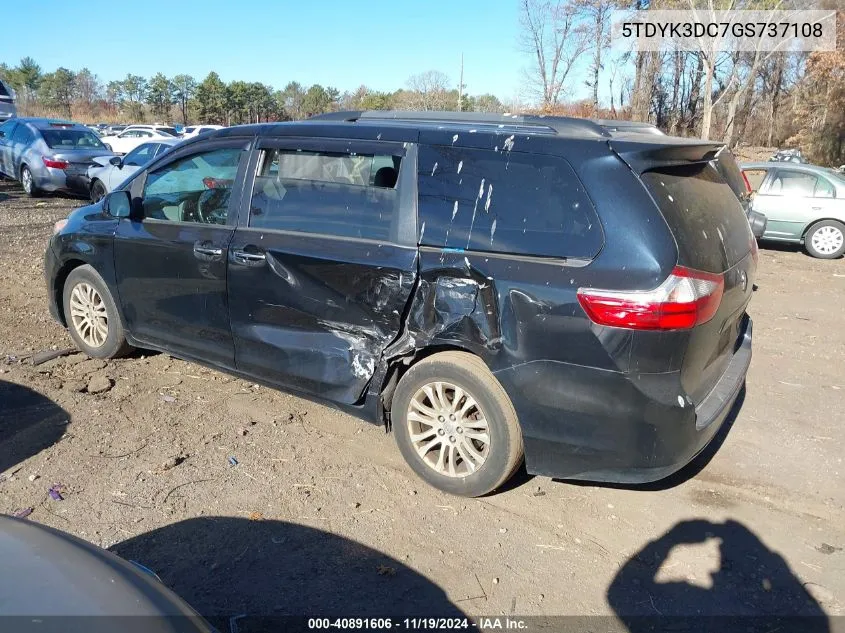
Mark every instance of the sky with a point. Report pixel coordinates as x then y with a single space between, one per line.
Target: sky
378 43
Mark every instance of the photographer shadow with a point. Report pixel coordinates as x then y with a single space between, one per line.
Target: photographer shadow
752 590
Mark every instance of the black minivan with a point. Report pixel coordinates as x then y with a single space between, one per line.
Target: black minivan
489 287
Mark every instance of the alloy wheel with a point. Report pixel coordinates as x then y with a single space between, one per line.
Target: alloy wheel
448 429
88 314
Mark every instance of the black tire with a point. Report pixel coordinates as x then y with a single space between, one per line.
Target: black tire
471 375
28 182
830 227
114 345
98 191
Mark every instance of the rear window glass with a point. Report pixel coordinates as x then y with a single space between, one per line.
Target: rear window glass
168 130
71 139
505 202
703 214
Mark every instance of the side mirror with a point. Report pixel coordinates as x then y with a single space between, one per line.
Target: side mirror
118 204
117 161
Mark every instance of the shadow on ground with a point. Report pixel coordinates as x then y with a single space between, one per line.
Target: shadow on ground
225 566
29 423
752 588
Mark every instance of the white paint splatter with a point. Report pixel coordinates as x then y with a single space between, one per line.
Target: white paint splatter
719 231
704 233
362 369
508 145
434 169
481 190
454 139
454 210
466 261
496 149
489 196
473 131
460 166
681 401
671 199
378 136
422 231
493 231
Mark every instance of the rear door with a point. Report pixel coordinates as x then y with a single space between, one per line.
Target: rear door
170 257
323 262
794 198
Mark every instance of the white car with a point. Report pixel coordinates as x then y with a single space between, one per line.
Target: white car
109 171
195 130
135 135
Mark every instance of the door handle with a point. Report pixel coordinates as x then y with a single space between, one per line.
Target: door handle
816 208
204 250
248 258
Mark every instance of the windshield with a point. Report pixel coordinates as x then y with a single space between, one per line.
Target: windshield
168 130
71 139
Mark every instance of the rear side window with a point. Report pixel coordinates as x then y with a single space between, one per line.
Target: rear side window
343 194
755 177
505 202
703 214
23 134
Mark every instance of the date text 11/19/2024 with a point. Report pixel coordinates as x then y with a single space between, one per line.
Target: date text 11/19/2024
418 624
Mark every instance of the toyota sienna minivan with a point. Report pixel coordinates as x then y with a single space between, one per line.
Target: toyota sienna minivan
491 288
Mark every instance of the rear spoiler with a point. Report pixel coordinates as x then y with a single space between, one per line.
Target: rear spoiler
665 151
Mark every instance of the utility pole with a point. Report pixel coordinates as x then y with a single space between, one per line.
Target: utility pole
461 87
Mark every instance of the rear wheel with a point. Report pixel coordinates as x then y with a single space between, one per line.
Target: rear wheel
826 239
28 183
91 315
455 425
98 191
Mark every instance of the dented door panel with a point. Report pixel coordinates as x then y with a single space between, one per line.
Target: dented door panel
317 314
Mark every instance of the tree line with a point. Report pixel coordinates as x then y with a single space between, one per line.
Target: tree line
83 96
755 98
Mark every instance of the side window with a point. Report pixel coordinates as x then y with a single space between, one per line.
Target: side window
145 134
755 178
824 189
343 194
141 155
505 202
195 188
8 128
22 134
792 183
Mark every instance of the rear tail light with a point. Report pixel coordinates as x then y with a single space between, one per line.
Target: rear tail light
685 299
55 163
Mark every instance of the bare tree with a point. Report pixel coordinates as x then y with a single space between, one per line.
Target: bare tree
429 91
553 34
597 14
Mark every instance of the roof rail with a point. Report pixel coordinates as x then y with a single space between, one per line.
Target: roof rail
559 125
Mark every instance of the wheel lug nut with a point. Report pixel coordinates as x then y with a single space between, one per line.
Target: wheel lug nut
460 430
441 432
441 418
452 438
452 417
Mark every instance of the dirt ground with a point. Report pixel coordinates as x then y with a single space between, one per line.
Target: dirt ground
320 515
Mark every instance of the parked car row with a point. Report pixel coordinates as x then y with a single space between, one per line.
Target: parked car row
54 155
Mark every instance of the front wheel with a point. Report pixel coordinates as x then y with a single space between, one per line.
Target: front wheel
98 191
826 239
28 183
455 425
91 315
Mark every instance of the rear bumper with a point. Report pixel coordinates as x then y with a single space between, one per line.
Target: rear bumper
52 180
583 423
